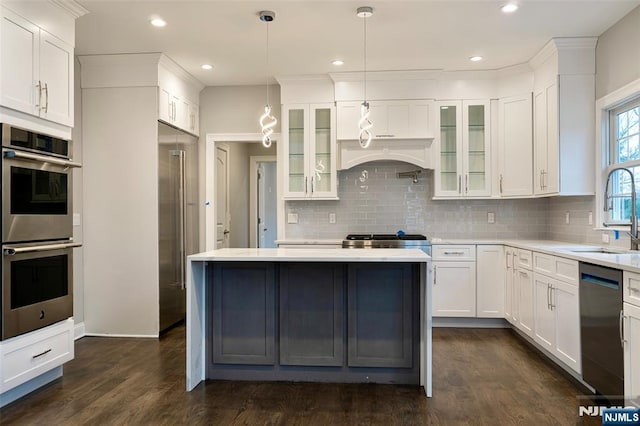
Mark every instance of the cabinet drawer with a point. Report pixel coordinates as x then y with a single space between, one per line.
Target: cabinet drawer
454 252
28 356
523 259
562 269
631 290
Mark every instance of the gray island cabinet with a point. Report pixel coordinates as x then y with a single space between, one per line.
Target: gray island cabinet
330 315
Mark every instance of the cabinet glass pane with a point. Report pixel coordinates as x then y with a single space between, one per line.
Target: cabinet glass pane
322 162
296 150
477 152
448 149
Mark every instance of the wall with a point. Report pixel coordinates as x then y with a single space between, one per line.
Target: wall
618 54
236 109
374 200
78 253
120 202
239 180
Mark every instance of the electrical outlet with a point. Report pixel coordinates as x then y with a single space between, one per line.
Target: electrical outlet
491 217
566 218
292 218
332 218
590 218
605 238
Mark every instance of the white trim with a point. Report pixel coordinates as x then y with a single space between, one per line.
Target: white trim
28 387
209 185
603 105
79 331
136 336
72 7
253 207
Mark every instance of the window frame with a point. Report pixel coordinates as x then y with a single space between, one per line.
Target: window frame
604 105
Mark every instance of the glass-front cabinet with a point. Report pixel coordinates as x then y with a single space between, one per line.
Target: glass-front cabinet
463 149
309 151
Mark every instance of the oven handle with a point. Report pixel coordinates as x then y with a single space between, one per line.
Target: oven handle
9 153
11 251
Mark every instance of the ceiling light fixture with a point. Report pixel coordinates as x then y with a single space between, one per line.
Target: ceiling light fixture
158 22
338 62
509 8
475 58
206 67
267 120
364 123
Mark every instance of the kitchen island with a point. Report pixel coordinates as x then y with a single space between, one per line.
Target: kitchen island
331 315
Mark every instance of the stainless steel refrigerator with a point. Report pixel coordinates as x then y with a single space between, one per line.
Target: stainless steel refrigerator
178 218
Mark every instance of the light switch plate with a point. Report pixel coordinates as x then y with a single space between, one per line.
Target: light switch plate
491 217
76 219
590 218
605 238
292 218
566 218
332 218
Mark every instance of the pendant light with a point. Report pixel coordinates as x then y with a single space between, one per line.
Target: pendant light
267 120
364 123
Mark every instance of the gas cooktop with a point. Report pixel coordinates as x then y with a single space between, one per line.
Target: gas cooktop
387 241
385 237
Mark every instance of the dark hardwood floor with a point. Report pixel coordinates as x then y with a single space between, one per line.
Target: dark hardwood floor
481 377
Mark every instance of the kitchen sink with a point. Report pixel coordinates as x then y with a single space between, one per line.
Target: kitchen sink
603 250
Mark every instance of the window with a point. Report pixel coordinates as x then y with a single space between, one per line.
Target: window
624 143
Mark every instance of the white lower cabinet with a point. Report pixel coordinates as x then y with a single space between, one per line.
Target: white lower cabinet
632 354
557 308
27 356
524 293
490 283
509 304
454 280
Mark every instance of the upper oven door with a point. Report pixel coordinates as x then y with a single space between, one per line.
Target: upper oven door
36 197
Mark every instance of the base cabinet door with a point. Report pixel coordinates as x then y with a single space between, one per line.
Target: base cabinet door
454 289
632 354
243 313
311 314
544 317
490 281
380 311
565 303
525 302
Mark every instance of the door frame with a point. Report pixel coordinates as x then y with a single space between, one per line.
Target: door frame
253 194
210 185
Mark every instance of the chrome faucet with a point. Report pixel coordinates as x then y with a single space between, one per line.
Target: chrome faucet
633 234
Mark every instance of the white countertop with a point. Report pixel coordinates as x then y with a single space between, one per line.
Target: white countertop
311 255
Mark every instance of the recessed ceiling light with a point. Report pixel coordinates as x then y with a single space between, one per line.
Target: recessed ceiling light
206 67
509 8
337 62
158 22
475 58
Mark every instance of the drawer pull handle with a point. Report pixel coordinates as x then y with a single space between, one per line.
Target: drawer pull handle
41 354
632 289
454 252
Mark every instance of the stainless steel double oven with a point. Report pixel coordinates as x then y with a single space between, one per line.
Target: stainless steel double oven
37 231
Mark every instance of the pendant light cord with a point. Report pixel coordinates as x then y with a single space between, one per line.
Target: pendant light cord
365 58
268 64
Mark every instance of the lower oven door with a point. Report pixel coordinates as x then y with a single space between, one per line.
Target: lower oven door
37 285
36 197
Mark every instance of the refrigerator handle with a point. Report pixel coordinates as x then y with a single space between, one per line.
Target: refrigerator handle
183 219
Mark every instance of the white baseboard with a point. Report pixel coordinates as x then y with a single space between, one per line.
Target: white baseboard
470 322
138 336
78 331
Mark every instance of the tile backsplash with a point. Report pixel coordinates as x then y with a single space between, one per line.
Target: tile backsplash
374 200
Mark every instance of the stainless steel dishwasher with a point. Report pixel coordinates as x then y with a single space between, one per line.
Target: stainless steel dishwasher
601 329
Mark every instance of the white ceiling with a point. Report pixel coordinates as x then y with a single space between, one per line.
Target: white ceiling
307 35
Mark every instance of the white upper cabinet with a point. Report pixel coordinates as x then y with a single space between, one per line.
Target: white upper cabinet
408 119
309 142
176 97
564 101
515 146
36 70
464 149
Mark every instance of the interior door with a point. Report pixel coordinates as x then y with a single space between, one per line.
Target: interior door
267 204
222 199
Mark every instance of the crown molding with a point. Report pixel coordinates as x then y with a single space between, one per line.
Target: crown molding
71 6
176 69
